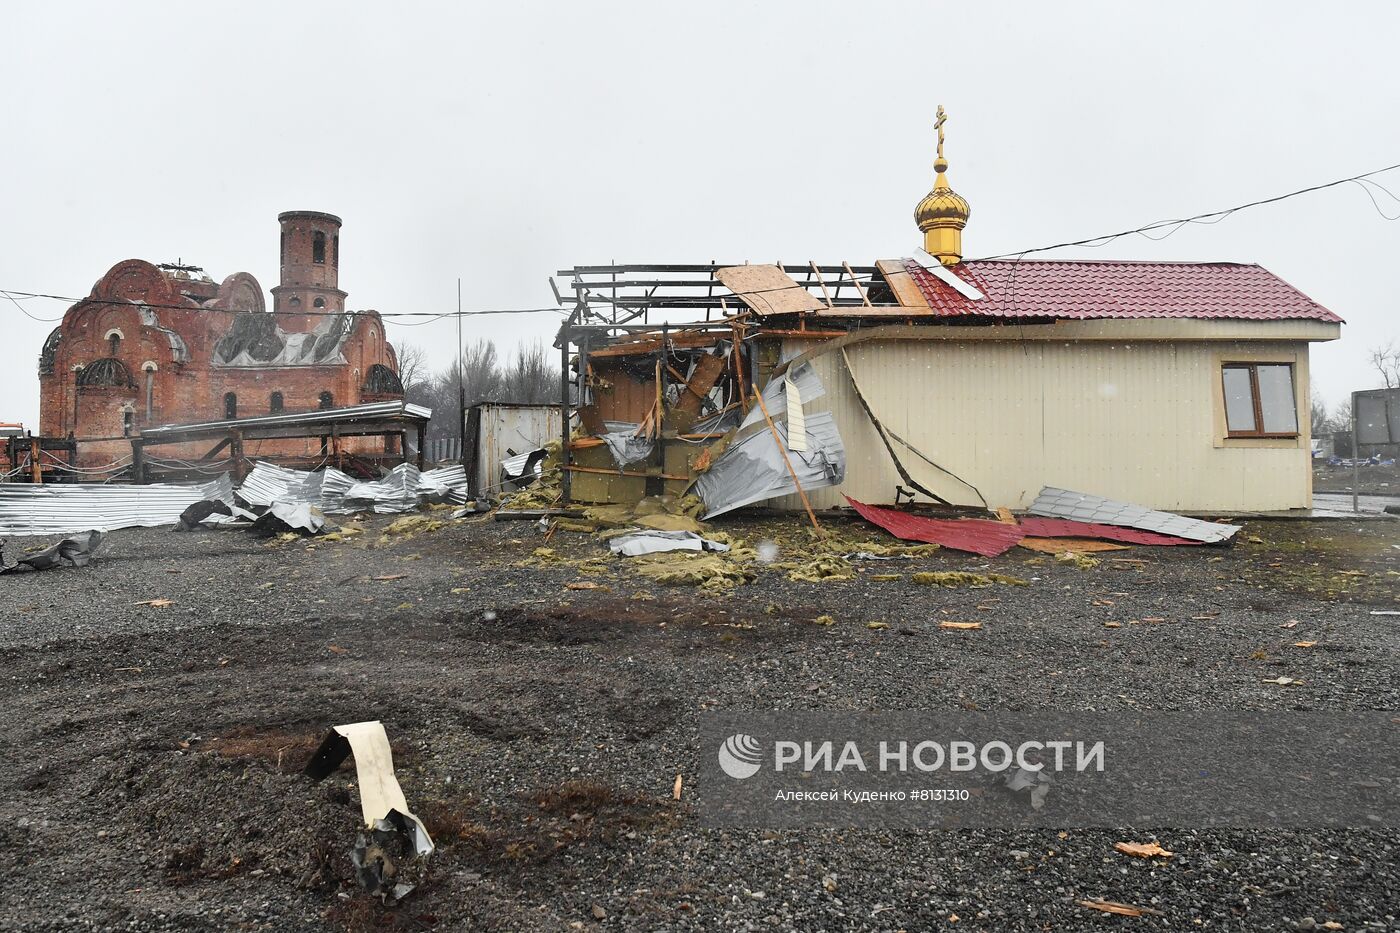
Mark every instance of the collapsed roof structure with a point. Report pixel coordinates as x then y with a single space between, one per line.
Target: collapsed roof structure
1178 385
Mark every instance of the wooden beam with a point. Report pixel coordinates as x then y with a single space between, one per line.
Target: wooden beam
138 461
864 300
782 449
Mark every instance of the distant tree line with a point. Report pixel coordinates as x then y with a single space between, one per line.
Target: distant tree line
530 375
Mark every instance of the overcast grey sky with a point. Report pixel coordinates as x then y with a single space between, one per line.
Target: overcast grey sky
503 141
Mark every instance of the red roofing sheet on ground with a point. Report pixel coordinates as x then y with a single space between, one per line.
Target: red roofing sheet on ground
1088 290
979 536
1035 527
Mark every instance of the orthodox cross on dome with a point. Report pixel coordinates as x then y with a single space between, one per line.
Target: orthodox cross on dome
938 125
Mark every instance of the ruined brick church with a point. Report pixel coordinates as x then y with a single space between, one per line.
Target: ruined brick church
165 344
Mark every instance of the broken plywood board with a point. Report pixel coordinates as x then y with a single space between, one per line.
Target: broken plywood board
768 289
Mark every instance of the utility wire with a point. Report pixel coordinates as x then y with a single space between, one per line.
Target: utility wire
1363 181
1097 241
12 294
25 311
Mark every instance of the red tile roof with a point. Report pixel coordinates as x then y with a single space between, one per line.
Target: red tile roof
1097 289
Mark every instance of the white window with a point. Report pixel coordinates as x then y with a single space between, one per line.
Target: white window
1259 400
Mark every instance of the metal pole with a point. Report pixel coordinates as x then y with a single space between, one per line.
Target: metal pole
565 485
461 376
1355 459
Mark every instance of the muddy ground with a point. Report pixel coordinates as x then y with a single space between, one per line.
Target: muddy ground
150 753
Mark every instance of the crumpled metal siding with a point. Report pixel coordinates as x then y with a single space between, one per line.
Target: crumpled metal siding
1083 507
396 492
332 490
63 508
752 469
267 483
448 483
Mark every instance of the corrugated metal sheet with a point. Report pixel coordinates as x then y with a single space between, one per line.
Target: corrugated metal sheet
1089 289
334 491
1065 528
63 508
372 410
448 483
267 483
396 492
979 536
1139 422
1084 507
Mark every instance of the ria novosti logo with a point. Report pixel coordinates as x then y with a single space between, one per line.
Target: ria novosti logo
739 756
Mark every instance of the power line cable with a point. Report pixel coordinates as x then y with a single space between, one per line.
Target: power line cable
1097 241
12 294
25 311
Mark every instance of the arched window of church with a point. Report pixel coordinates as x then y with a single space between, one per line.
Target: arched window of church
318 248
319 302
127 418
325 401
335 252
230 405
114 343
275 404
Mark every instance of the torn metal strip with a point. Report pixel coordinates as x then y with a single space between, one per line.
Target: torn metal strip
1084 507
385 812
796 419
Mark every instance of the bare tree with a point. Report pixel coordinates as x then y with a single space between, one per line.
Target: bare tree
1321 418
1386 361
529 378
413 366
1341 415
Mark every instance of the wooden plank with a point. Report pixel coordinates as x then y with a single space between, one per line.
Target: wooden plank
898 312
646 345
906 290
854 281
702 380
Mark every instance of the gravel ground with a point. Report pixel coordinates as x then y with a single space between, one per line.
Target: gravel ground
151 752
1375 480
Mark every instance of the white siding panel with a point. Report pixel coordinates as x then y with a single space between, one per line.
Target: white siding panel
1130 421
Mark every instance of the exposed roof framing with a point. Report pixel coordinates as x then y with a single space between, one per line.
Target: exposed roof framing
619 294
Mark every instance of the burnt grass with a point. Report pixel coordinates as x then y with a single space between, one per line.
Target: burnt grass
152 754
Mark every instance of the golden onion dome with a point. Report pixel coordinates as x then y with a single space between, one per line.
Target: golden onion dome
942 206
943 213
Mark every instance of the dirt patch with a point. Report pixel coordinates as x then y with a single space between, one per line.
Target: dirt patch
540 826
285 751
